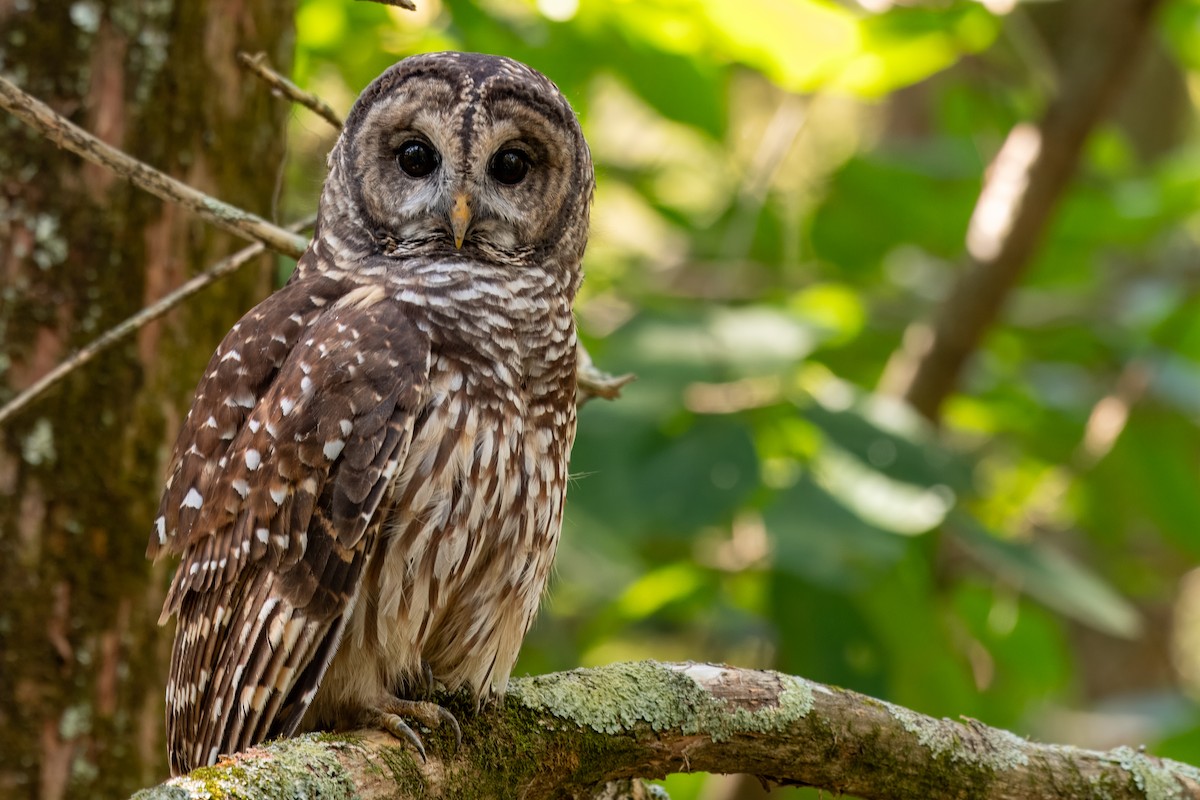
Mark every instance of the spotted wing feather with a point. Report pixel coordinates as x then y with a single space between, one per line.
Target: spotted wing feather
300 423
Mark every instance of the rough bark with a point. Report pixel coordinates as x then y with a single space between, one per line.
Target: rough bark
570 734
1024 184
80 249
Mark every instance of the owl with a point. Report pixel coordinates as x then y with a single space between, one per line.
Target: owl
367 493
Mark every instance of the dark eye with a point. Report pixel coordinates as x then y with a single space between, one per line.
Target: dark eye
509 166
417 158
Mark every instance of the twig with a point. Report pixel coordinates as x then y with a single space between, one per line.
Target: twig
64 133
562 735
405 4
222 268
258 65
593 382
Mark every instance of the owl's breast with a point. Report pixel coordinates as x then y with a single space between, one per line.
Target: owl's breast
471 526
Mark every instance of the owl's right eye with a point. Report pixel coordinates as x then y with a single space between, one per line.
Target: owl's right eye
417 158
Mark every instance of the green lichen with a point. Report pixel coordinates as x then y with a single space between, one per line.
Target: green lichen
1150 775
37 448
622 696
265 774
1005 751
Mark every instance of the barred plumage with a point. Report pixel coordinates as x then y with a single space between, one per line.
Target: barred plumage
368 490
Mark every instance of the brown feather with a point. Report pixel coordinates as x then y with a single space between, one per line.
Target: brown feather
369 486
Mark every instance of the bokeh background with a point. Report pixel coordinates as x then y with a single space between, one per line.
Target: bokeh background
783 189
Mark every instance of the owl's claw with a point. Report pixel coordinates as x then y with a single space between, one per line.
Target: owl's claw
427 676
396 726
449 719
392 714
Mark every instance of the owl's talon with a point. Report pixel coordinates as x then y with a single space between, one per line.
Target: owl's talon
397 727
393 711
449 719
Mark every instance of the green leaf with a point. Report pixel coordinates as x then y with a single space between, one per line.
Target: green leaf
888 437
698 478
1050 576
918 203
816 537
824 636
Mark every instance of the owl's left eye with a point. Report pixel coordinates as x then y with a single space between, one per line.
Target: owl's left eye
417 158
509 166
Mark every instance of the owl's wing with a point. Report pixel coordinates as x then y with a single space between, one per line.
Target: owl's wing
299 424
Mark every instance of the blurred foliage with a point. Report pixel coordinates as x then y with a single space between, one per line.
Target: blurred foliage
783 186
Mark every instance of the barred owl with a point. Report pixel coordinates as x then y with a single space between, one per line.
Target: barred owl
368 490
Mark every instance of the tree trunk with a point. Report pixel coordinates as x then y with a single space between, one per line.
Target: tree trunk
81 656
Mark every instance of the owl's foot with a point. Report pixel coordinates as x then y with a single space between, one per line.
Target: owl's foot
393 713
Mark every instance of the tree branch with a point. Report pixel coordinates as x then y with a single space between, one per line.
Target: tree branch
257 64
1025 182
564 735
592 382
114 335
64 133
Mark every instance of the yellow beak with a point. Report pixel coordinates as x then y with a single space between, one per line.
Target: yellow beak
460 218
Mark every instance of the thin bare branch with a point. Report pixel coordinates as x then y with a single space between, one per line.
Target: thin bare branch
594 382
66 134
257 64
224 267
407 5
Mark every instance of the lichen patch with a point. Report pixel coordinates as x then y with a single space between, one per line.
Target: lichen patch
692 698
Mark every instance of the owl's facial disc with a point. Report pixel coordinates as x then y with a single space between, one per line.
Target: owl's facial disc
474 156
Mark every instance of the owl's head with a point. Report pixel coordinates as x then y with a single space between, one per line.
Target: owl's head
462 153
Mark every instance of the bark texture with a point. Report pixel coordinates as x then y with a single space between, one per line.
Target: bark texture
81 655
584 734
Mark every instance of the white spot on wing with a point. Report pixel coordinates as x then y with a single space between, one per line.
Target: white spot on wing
244 398
192 499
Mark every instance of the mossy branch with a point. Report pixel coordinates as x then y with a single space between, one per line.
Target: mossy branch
569 734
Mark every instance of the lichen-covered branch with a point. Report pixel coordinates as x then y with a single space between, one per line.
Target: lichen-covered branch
64 133
566 734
